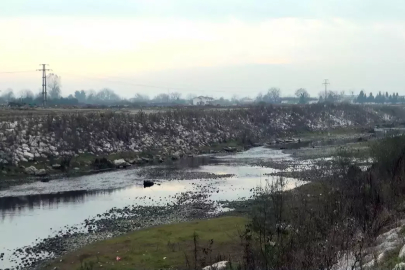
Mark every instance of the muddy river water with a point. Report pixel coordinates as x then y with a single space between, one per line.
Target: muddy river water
35 211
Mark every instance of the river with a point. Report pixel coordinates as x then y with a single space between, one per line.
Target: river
31 212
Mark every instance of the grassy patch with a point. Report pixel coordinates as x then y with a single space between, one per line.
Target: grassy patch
160 247
331 132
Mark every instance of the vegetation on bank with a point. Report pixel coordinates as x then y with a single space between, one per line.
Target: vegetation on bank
174 246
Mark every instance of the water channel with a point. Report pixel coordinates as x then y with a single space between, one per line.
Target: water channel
35 211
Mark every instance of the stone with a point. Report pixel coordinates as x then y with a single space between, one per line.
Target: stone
401 254
131 161
176 156
217 266
41 172
31 170
120 163
399 266
56 166
230 149
28 155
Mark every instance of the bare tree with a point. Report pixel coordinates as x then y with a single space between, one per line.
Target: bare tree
107 95
302 92
191 96
175 95
8 95
54 86
140 98
26 93
303 95
162 98
272 96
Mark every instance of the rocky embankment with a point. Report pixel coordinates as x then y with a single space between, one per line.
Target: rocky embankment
171 134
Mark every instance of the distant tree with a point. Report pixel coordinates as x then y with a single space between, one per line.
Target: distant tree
8 95
379 98
54 86
139 98
362 98
190 96
272 96
235 99
332 96
175 96
370 98
106 95
259 97
303 95
162 98
91 96
26 93
223 102
80 96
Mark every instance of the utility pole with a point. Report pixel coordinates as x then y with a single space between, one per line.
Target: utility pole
44 94
326 82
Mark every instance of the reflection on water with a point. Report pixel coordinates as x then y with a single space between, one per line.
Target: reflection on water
28 212
11 204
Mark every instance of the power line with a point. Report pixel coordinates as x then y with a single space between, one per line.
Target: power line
189 89
326 82
12 72
44 94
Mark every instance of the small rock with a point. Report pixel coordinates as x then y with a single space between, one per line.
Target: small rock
56 166
120 163
176 156
41 172
31 170
217 266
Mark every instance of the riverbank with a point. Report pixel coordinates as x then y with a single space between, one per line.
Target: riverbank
74 143
163 247
90 164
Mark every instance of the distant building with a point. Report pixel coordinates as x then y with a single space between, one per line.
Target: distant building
247 100
347 98
202 100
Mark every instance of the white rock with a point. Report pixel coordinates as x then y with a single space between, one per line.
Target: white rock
399 266
28 155
31 170
56 166
217 266
41 172
120 162
401 254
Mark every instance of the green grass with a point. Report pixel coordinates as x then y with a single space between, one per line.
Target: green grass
331 132
160 247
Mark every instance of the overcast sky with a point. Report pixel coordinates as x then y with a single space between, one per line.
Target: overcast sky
210 47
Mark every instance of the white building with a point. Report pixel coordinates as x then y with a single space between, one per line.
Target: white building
246 101
202 100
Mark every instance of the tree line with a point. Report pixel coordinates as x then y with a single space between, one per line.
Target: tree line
380 98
